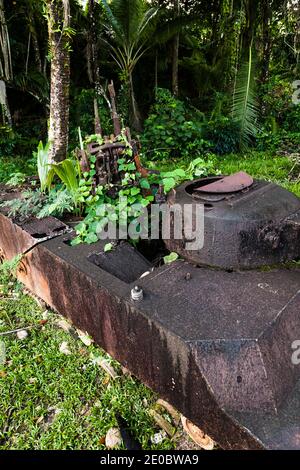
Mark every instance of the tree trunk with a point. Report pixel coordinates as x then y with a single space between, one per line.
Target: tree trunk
36 47
6 72
266 39
6 114
251 11
94 65
58 21
156 73
175 53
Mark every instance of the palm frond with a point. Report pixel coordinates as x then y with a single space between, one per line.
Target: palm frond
167 30
131 21
245 110
113 22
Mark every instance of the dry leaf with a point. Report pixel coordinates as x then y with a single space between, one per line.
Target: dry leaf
64 348
85 338
162 423
106 380
108 368
197 435
170 409
3 374
113 438
45 315
125 371
64 325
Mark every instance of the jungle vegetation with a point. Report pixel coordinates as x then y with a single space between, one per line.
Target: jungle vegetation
191 76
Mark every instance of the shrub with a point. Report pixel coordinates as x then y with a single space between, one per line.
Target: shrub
223 133
172 129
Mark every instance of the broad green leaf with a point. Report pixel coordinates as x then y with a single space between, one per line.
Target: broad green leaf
171 257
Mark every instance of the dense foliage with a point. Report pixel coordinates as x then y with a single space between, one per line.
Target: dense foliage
234 67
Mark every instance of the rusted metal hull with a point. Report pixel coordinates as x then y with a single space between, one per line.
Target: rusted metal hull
216 345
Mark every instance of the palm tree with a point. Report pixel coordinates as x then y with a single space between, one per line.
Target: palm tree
131 25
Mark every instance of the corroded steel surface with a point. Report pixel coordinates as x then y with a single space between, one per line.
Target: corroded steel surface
228 184
19 237
217 345
248 229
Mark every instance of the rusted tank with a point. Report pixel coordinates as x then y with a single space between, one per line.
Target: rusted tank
216 343
247 223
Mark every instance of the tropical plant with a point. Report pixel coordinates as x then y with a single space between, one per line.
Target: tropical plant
69 173
38 204
245 111
43 166
131 24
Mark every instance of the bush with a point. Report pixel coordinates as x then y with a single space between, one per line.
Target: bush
173 130
280 141
9 167
22 139
223 133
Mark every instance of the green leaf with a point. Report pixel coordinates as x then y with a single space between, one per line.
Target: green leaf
91 238
171 257
134 191
43 166
144 183
108 247
169 184
76 241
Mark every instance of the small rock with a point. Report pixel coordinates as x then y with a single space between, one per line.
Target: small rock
113 438
158 437
22 334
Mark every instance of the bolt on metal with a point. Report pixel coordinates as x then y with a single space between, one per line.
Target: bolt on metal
137 293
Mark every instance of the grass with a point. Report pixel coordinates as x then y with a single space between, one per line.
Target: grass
261 165
50 400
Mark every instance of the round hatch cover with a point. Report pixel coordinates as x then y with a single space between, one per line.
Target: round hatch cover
228 184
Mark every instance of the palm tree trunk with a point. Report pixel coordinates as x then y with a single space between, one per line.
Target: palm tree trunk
175 54
136 117
58 21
